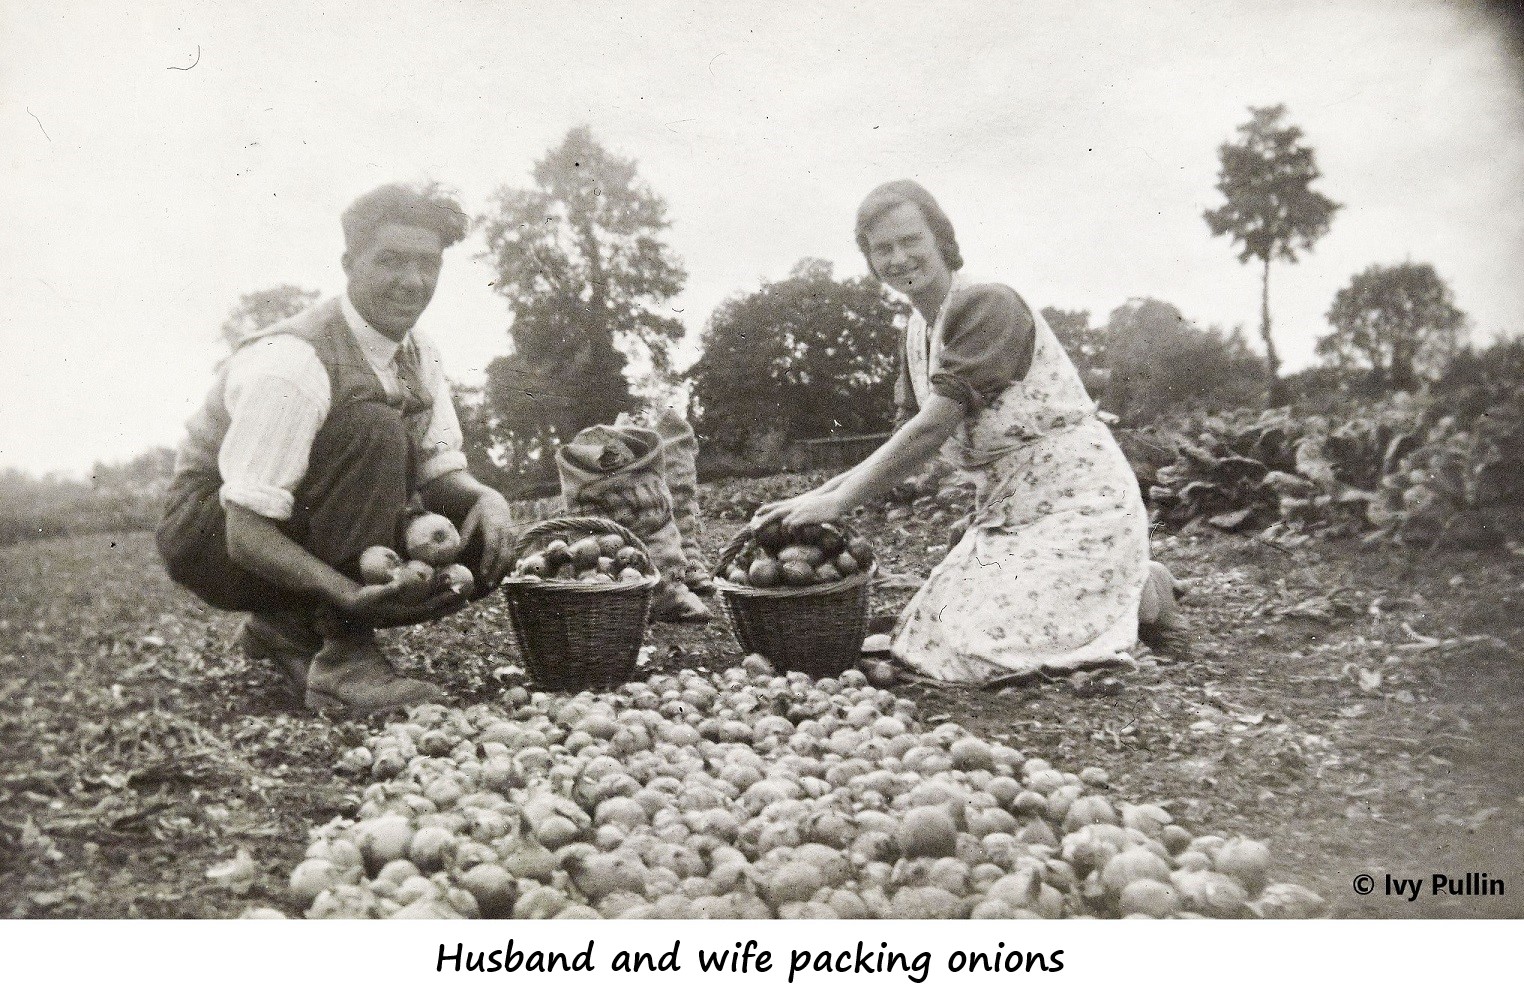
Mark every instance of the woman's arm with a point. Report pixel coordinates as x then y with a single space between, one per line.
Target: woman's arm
902 455
836 481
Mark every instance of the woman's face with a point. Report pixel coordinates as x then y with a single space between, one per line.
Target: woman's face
903 252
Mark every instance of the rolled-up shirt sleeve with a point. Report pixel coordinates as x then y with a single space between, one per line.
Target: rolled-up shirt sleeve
987 345
277 397
441 446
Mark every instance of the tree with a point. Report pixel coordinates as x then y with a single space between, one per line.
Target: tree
264 308
807 356
1399 322
478 441
1161 364
1477 379
581 261
149 471
1271 210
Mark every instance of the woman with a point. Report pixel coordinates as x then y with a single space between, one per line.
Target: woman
1053 566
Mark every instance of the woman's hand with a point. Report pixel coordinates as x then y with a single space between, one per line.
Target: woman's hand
816 507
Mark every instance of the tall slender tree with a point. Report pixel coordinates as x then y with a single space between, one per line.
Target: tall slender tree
581 260
1271 210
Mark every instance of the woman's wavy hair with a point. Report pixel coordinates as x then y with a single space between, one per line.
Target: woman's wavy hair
427 206
905 192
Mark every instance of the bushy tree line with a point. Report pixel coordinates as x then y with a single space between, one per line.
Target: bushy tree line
115 497
804 357
580 257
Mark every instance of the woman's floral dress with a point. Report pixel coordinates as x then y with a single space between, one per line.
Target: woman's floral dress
1052 568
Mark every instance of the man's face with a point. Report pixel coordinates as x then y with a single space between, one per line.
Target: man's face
392 277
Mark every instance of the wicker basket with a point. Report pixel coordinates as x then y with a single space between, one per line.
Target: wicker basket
573 634
817 630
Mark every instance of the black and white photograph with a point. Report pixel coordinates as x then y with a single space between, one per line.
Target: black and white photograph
740 462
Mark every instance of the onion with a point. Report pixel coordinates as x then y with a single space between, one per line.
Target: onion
392 873
382 840
949 874
691 794
843 904
415 888
1147 819
1211 894
1088 810
793 882
555 831
927 831
1245 860
493 889
1150 898
623 812
874 845
601 874
672 907
922 903
526 858
430 847
927 760
1030 803
1037 832
311 877
983 822
971 754
1287 901
1130 865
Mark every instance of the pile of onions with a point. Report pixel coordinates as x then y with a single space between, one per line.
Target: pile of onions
748 794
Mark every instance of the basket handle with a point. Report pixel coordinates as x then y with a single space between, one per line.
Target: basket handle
738 542
575 524
732 550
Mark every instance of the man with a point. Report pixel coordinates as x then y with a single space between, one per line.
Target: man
311 442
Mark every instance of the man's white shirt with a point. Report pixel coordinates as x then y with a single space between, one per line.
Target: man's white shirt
278 396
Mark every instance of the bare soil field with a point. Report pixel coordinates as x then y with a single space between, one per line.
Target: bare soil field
1358 709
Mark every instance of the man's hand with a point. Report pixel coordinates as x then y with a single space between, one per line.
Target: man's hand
383 605
490 517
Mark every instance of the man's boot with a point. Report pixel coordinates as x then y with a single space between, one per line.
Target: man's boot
351 676
285 639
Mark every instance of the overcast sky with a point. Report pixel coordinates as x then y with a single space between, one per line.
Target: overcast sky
1073 144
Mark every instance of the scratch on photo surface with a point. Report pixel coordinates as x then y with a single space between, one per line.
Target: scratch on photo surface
193 62
39 124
